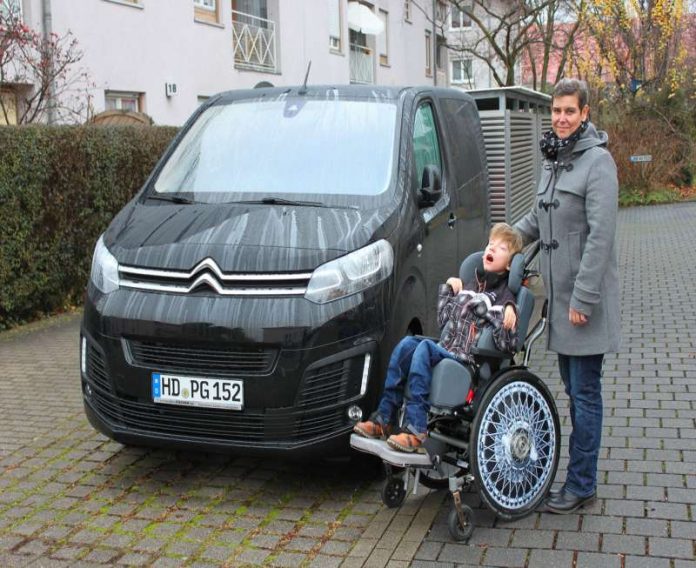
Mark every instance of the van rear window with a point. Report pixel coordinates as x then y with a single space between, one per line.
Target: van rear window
285 146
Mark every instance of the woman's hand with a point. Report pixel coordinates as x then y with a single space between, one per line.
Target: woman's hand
455 284
576 317
509 317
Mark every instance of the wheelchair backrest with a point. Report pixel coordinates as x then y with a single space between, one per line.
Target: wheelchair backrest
523 296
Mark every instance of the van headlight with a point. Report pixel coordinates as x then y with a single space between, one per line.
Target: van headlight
104 268
351 274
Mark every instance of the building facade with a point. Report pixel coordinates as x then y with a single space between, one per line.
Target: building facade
164 57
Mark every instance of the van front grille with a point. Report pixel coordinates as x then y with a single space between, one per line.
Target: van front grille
218 424
217 362
206 276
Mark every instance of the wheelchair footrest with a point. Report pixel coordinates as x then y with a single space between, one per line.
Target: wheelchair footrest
381 449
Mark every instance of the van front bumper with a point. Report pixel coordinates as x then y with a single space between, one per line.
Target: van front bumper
299 381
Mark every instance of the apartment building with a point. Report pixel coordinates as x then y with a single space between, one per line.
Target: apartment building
164 57
464 69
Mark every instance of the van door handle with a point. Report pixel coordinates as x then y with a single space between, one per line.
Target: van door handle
452 220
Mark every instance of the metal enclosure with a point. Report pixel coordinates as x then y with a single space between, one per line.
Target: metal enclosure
513 120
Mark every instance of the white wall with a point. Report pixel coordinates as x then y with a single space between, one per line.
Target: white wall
139 49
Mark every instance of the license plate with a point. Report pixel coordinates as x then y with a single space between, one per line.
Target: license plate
197 391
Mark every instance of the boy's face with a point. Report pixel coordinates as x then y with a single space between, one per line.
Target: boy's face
496 257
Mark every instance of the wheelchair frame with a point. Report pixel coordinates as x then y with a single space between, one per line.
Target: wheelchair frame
506 442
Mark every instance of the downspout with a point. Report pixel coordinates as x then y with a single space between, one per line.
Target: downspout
434 43
47 20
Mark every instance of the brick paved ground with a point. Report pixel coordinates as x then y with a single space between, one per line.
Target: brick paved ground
70 497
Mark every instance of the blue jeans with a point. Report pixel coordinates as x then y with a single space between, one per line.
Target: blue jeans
411 363
582 378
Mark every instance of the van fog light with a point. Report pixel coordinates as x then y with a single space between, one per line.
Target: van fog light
355 413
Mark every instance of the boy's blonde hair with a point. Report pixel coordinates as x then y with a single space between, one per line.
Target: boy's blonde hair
509 235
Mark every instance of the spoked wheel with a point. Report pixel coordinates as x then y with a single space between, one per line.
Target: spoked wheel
458 531
515 444
393 492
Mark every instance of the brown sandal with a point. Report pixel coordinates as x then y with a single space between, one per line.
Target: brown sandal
406 442
371 429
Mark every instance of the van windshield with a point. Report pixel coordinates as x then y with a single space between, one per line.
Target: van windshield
284 146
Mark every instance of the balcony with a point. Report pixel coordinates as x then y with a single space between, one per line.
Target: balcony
362 68
254 43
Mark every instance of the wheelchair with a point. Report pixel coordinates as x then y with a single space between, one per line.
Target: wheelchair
492 424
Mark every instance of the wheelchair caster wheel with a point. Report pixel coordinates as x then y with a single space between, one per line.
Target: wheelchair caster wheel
454 524
393 492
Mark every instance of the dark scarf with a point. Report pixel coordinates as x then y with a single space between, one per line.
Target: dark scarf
490 280
550 144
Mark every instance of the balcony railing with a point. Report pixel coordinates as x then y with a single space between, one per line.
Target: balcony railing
254 42
362 68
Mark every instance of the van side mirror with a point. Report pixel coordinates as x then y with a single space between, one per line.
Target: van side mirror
431 186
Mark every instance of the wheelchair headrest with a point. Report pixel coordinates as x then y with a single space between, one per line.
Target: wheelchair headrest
467 270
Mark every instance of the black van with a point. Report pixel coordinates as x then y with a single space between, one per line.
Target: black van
248 297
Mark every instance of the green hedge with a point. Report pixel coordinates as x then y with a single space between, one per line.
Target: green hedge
59 189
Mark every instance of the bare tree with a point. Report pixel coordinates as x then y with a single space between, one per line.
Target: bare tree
503 32
41 71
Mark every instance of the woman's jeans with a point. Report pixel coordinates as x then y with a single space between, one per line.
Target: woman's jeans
411 362
582 378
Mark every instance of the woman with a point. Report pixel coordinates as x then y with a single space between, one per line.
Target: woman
574 216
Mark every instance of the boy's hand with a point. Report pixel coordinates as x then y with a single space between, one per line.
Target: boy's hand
509 317
455 284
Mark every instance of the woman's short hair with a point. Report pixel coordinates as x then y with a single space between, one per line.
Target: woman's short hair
568 86
509 235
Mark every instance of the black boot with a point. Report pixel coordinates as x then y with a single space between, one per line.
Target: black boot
564 502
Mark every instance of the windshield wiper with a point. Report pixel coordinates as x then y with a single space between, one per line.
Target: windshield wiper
291 202
171 198
281 201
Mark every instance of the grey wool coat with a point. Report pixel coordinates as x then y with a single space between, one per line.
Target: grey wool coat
574 216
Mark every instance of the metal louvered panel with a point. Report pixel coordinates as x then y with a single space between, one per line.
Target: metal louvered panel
522 179
513 120
494 126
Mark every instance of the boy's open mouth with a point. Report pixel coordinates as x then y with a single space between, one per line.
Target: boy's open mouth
489 257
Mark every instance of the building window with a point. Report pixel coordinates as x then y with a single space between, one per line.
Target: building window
8 107
428 54
460 19
407 10
462 72
335 25
383 39
441 11
117 100
206 11
11 7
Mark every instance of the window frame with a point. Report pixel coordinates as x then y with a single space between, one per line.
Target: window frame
129 3
119 95
407 11
462 81
384 57
463 17
204 14
428 53
337 46
7 5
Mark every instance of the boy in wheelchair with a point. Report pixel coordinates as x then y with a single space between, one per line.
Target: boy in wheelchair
463 310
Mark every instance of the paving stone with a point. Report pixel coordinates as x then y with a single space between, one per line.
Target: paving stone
507 557
551 558
596 560
671 547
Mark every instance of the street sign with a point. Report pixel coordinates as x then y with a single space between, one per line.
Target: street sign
643 158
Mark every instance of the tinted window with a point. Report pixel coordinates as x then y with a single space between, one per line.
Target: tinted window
426 148
285 146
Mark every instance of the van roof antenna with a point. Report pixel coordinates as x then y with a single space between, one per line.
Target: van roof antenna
303 89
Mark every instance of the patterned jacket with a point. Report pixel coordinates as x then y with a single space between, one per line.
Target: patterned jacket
459 324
